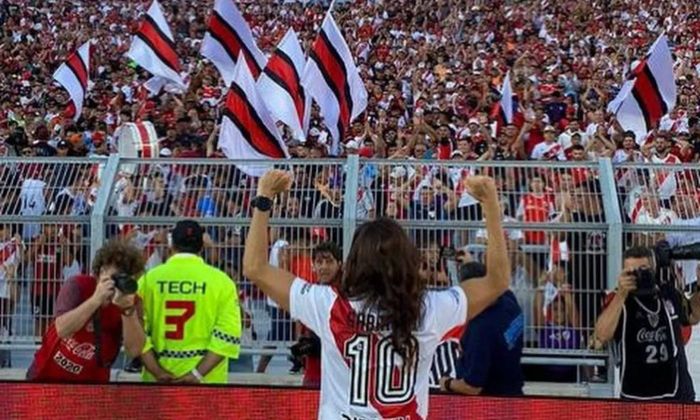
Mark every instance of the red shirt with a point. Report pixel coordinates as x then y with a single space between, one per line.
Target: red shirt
75 359
444 151
48 270
535 208
191 154
536 137
580 175
302 267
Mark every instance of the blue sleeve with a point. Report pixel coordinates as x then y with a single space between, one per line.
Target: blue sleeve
475 364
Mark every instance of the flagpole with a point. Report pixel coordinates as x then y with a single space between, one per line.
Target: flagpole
330 9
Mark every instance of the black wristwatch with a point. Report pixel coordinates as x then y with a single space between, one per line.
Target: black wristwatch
261 203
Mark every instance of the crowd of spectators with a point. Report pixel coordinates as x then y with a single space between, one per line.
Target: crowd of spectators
433 70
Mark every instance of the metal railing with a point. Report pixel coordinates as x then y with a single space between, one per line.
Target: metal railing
567 226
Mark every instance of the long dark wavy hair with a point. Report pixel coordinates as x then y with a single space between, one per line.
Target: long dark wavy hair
382 272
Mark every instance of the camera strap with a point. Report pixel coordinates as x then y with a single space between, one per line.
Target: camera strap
97 331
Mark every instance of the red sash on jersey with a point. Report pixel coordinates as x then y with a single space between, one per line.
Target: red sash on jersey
74 359
8 250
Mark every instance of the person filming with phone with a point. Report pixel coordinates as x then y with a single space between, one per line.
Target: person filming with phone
93 314
644 319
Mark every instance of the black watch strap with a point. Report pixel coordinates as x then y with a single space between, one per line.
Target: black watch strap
261 203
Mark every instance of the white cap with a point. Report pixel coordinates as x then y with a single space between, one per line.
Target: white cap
352 144
165 152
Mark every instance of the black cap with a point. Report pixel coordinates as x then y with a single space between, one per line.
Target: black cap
63 145
188 236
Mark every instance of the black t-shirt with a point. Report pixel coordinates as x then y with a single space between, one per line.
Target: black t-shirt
502 153
653 362
492 347
555 111
481 148
43 149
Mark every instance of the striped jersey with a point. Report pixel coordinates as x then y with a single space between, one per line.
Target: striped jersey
363 375
190 308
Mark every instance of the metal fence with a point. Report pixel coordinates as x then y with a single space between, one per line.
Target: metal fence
567 225
662 202
45 237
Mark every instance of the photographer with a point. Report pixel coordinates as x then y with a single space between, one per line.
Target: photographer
644 318
92 315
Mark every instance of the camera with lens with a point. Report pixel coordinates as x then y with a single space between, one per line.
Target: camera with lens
646 281
305 347
650 280
125 283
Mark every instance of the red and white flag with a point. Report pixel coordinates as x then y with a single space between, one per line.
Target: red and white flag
649 94
248 130
153 47
280 86
332 79
558 253
74 76
503 111
228 34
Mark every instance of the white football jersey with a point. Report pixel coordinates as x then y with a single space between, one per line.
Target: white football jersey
446 357
363 376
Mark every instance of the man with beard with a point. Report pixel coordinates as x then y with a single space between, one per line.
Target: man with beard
661 152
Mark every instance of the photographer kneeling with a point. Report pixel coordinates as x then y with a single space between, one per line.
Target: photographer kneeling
644 319
93 314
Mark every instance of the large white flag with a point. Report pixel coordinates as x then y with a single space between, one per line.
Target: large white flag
74 76
332 79
505 105
649 94
248 130
280 86
153 47
228 34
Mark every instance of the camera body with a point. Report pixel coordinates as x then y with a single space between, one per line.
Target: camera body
651 280
646 281
305 347
125 283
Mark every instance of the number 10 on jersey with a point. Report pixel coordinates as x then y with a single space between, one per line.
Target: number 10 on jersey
377 370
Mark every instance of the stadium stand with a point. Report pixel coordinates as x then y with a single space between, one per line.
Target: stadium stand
576 190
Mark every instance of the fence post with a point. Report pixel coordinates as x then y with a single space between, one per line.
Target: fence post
615 245
97 218
613 217
352 184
